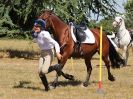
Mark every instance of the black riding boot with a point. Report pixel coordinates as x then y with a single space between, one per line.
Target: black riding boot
45 82
56 67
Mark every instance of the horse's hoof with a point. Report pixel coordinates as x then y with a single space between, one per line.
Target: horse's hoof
125 65
71 77
47 89
85 84
54 85
111 78
51 87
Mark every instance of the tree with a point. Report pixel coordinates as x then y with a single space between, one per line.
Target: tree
106 24
18 15
129 13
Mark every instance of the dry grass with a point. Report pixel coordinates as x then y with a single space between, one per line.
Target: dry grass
19 80
20 45
18 48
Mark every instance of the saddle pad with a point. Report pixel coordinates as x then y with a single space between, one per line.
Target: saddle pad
89 36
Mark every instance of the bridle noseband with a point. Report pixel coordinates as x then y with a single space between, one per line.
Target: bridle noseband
118 23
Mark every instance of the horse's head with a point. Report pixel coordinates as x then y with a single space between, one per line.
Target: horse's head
59 29
118 21
45 15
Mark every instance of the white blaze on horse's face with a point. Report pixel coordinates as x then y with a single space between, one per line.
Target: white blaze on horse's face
117 21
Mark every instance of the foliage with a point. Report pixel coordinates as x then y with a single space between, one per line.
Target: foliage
129 14
107 24
18 15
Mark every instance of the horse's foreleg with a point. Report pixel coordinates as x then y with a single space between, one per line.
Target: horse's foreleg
125 54
62 63
89 69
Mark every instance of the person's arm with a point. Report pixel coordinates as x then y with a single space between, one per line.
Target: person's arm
56 45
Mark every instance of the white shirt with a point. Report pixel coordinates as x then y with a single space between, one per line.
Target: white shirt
46 42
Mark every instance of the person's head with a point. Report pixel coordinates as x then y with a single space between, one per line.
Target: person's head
39 25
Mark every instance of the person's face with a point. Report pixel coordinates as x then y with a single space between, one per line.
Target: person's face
36 29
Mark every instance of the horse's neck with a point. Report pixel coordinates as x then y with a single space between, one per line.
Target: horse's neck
122 29
58 23
122 26
60 30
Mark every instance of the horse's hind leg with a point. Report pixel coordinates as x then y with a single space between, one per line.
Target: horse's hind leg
125 54
65 75
106 61
89 69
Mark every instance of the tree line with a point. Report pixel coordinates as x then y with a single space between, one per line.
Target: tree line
17 16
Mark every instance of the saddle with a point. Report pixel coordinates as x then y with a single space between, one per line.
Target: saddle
79 33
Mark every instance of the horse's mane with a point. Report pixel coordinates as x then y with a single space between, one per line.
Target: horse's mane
43 11
51 12
97 27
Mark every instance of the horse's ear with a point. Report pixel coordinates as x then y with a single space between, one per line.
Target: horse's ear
52 10
122 16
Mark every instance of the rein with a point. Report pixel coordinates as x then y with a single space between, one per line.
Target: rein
118 23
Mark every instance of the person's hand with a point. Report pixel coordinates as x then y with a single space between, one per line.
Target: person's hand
59 56
36 29
34 34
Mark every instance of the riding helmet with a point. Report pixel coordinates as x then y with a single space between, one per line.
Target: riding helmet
40 23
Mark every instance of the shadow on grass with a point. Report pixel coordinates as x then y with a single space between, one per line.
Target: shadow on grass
21 54
26 85
70 83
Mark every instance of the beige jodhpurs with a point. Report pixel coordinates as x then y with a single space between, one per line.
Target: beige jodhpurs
45 61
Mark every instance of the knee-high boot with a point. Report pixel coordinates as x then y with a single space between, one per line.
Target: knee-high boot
45 82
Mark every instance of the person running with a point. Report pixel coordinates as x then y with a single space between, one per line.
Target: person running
46 44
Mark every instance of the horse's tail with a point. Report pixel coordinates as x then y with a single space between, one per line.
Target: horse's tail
131 34
132 45
115 58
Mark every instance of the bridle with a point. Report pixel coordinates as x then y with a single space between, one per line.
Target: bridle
118 23
46 19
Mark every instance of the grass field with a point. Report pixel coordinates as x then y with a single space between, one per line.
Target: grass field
19 80
18 48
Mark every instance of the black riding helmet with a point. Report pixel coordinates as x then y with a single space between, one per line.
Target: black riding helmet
40 23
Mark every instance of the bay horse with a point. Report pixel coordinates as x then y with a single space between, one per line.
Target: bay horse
123 38
62 34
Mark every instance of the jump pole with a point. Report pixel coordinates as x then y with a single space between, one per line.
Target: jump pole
100 90
72 64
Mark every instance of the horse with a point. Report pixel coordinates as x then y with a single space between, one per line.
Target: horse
123 38
62 34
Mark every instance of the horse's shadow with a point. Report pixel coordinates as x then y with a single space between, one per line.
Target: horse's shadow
28 85
68 83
